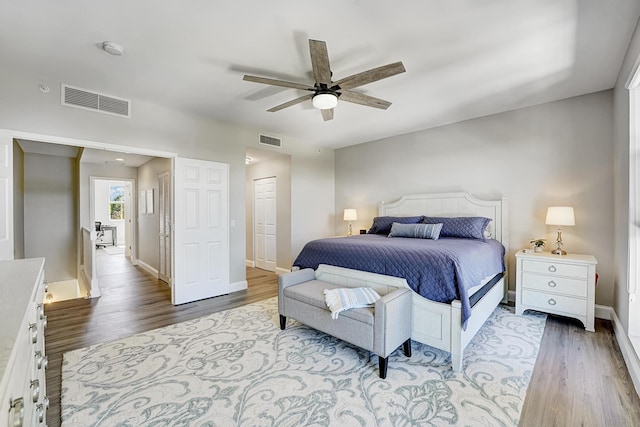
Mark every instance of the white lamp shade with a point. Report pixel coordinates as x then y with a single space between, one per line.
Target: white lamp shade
350 215
325 101
560 215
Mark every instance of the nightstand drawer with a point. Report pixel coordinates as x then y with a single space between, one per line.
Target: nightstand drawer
554 303
554 284
555 268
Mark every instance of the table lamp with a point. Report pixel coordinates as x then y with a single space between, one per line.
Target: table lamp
350 215
560 215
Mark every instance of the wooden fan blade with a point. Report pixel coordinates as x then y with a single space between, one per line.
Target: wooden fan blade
362 99
275 82
320 61
370 76
290 103
327 114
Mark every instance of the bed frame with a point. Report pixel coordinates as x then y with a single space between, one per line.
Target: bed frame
440 324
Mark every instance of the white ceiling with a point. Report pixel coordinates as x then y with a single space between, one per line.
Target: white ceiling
464 59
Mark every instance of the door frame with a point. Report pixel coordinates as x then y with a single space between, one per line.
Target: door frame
130 205
61 140
169 174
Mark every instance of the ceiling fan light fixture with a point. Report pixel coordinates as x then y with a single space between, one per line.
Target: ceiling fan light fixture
325 101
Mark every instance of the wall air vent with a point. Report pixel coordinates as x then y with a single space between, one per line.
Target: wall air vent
94 101
270 140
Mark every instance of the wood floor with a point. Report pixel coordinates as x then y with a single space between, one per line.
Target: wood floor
580 378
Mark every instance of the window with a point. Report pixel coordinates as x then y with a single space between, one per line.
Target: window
116 202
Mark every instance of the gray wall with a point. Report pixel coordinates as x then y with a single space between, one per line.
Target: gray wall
18 201
280 168
159 128
558 153
149 224
621 176
50 213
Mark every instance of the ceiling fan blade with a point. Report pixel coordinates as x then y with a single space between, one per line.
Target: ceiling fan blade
320 61
370 76
275 82
290 103
362 99
327 114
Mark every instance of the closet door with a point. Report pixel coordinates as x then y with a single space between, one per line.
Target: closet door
265 223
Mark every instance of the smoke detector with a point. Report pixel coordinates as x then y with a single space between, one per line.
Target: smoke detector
112 48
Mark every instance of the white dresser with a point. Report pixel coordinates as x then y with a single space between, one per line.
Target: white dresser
558 284
22 357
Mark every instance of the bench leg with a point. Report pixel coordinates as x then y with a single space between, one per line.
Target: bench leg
382 366
406 347
283 322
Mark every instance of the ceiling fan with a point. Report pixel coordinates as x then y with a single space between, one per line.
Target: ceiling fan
325 92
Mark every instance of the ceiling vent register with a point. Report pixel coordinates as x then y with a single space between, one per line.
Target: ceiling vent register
94 101
270 140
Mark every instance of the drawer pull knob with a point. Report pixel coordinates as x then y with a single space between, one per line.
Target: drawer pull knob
552 284
44 322
40 413
552 301
16 413
40 311
552 268
34 332
35 390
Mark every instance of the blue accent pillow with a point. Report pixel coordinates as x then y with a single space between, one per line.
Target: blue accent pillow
382 224
463 227
418 231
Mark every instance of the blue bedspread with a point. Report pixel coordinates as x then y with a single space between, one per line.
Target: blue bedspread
440 270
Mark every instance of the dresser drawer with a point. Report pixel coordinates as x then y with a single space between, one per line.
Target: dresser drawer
555 268
554 303
555 284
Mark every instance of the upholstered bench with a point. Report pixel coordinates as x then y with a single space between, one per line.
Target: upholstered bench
380 329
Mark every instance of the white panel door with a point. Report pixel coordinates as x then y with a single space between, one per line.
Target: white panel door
6 197
201 230
265 223
164 211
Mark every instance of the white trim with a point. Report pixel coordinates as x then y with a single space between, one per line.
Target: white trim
633 81
89 144
250 263
280 270
146 267
628 352
238 286
604 312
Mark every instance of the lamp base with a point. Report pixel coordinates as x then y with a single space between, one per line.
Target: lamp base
559 252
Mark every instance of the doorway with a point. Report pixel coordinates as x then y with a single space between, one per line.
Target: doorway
164 204
111 206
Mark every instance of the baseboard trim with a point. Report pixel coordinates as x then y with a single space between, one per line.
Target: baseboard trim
250 263
238 286
146 267
280 270
628 352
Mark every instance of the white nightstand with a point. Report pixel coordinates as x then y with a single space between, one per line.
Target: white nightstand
559 284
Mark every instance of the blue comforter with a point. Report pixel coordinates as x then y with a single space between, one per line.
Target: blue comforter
440 270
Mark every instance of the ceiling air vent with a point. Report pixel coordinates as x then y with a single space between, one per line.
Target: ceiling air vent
270 140
87 100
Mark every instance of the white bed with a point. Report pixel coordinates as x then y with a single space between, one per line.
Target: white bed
440 324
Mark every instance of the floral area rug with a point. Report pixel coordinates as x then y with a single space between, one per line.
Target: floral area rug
237 368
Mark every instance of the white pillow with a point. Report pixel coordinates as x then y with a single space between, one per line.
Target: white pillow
341 299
